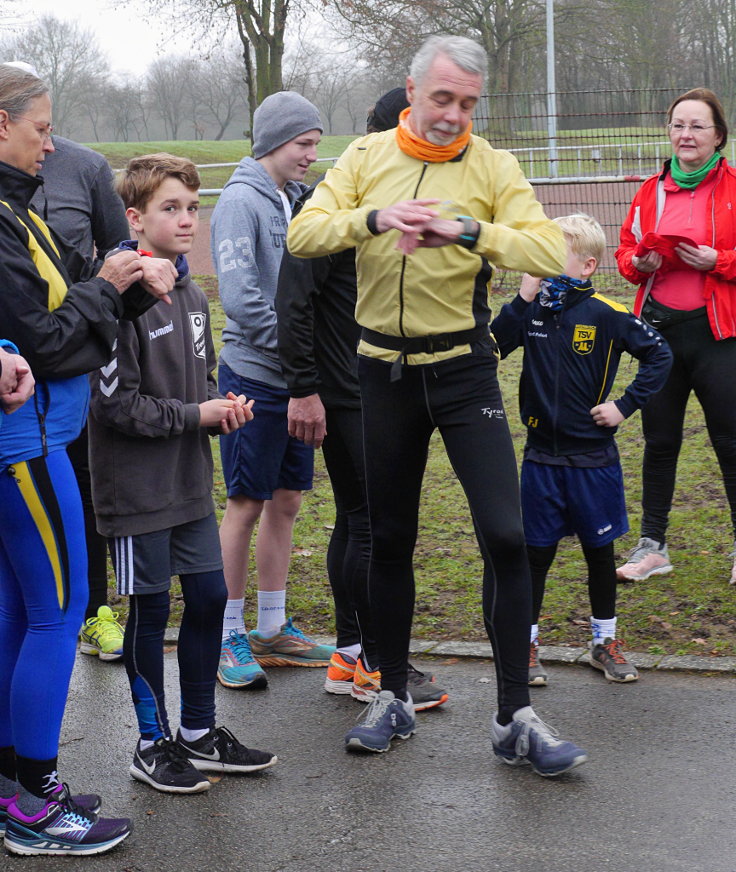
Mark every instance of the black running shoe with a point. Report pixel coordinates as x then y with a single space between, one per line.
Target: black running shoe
166 767
220 751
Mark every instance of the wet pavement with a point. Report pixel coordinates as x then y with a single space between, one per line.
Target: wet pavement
655 794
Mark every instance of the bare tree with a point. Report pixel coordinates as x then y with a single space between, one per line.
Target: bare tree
170 88
260 26
67 57
392 30
222 90
127 110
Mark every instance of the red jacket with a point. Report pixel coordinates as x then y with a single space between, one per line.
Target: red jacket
720 282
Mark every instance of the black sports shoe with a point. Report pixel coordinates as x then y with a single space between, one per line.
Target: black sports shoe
220 751
165 766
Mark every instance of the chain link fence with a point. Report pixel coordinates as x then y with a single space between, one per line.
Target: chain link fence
592 156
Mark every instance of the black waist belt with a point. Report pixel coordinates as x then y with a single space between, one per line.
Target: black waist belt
422 344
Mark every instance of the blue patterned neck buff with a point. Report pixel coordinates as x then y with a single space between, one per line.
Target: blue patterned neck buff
553 292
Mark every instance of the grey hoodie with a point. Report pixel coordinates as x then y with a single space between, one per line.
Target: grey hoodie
248 238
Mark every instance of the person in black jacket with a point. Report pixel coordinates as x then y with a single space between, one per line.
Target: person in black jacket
571 479
318 340
64 330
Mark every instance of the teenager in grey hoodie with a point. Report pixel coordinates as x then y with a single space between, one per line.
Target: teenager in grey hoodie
265 469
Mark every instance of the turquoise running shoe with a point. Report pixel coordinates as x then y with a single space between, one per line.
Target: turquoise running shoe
238 667
289 647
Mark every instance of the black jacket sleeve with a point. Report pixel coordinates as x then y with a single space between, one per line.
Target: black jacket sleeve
72 339
299 283
508 326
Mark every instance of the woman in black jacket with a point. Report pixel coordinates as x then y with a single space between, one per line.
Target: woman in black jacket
64 330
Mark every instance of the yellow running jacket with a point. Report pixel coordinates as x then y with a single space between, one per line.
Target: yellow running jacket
434 290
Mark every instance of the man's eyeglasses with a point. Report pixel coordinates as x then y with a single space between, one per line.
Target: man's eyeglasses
676 127
43 130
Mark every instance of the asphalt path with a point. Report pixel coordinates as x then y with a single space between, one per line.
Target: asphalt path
655 794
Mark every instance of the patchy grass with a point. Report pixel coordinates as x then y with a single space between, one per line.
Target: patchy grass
692 610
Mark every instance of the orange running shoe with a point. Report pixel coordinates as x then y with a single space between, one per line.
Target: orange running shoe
340 673
366 685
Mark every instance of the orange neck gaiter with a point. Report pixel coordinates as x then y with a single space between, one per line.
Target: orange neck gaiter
420 149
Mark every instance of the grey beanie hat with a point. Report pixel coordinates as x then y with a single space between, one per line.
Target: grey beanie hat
281 117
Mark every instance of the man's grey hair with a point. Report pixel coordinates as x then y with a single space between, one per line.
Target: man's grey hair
464 52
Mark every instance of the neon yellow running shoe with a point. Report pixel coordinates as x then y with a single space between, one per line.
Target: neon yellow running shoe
102 635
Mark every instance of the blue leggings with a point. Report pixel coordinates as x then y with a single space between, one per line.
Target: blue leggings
43 595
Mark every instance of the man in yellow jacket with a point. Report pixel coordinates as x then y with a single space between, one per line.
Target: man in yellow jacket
431 209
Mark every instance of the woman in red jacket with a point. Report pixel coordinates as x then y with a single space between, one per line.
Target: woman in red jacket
677 244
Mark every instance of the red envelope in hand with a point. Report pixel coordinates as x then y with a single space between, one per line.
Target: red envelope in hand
664 244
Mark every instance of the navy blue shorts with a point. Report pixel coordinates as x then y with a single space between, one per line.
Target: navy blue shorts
559 501
261 457
145 563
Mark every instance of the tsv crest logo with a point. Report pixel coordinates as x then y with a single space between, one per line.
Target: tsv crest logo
198 320
583 339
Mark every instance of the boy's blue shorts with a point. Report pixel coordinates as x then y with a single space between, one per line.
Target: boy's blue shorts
261 457
558 501
144 563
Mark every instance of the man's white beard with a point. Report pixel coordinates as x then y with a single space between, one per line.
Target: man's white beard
450 129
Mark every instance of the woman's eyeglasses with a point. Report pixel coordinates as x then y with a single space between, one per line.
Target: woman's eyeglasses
43 130
676 127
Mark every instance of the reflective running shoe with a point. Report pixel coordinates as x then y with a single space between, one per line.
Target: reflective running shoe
537 675
340 673
166 767
424 691
609 658
387 718
366 685
62 827
87 801
238 667
647 559
102 635
289 647
527 739
220 751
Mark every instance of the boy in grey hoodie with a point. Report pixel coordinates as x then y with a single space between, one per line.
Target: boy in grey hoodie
265 468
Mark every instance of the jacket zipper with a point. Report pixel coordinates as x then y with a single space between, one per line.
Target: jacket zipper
713 245
403 260
556 318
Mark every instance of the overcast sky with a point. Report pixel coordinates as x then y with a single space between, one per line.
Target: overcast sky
130 42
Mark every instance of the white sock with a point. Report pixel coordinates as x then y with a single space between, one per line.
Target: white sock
271 611
534 636
603 628
350 650
192 735
145 744
233 618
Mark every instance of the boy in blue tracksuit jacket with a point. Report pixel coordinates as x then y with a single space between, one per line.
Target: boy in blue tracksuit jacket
571 479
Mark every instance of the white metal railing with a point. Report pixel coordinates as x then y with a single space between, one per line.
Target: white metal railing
587 160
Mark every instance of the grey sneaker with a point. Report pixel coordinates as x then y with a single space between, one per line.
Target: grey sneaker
537 675
424 691
648 558
732 555
527 739
609 658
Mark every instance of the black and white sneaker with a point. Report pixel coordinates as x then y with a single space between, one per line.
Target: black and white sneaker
220 751
165 767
